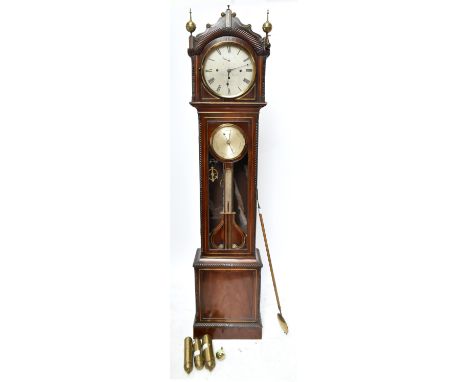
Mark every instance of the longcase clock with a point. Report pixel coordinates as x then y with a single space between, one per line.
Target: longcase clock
228 91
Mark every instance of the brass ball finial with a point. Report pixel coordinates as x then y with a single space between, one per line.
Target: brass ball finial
190 26
267 26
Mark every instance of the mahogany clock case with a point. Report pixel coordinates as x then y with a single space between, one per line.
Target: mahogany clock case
227 278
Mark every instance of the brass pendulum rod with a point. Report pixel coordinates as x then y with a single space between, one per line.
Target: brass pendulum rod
281 319
227 188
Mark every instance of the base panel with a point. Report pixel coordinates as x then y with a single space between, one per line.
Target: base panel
227 293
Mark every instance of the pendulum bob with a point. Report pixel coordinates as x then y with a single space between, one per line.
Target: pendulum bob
208 354
198 354
188 355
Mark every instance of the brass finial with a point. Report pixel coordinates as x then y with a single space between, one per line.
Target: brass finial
224 13
267 26
190 26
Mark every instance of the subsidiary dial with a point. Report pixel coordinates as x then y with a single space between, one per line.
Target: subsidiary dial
228 142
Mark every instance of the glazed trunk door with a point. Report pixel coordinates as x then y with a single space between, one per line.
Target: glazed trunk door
228 234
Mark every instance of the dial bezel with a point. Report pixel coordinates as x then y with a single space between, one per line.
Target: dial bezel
245 49
237 157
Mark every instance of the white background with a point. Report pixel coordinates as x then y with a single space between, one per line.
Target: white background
362 177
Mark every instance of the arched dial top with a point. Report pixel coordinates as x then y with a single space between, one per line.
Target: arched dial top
228 70
228 142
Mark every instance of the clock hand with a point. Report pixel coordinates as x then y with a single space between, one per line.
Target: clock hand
230 70
232 151
229 77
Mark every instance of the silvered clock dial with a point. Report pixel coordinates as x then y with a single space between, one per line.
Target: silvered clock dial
228 70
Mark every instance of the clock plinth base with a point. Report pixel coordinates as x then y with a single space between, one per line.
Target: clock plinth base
227 292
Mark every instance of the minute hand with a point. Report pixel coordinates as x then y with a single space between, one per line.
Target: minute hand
230 70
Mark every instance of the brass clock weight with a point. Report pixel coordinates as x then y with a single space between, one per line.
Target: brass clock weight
228 90
200 352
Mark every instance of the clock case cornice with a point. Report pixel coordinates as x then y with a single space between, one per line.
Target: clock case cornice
228 25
